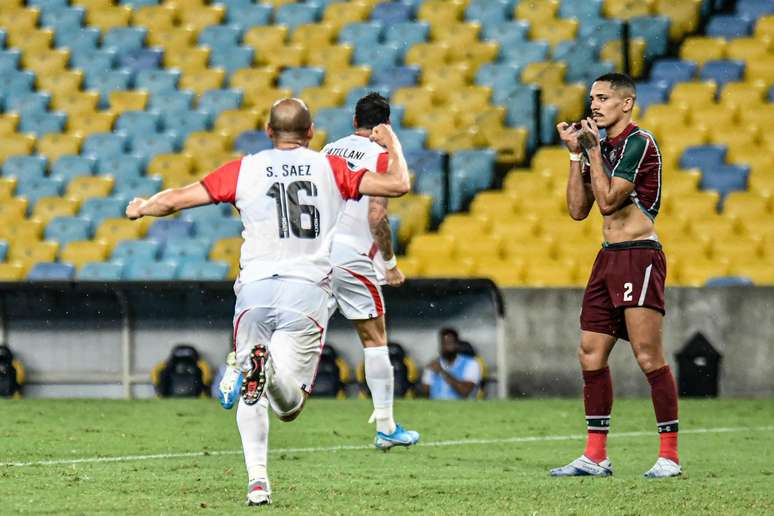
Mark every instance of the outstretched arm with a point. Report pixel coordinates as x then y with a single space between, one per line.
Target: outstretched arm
379 223
169 201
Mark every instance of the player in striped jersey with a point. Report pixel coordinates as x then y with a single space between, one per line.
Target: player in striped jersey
624 297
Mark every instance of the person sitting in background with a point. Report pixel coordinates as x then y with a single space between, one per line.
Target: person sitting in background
452 376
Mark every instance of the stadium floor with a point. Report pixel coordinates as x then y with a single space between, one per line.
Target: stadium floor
160 457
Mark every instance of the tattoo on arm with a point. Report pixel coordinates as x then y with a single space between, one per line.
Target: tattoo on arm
380 225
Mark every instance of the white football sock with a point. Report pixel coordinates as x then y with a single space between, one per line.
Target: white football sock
253 423
380 379
283 391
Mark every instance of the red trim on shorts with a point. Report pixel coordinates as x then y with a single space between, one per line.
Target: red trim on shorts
319 355
372 251
236 326
373 289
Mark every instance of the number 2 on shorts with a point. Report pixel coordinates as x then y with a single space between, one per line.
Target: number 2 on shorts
628 291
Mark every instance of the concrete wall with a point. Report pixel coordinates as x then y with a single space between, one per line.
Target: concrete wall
543 333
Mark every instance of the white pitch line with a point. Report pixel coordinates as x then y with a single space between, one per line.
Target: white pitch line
354 447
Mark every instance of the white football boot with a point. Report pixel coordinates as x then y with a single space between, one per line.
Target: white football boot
664 468
258 492
584 467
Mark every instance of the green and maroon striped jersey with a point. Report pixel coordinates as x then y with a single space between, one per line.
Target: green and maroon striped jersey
634 155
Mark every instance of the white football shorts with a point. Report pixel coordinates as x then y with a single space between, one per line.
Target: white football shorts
290 317
355 284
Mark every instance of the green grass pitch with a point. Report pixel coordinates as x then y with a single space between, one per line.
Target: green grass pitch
475 458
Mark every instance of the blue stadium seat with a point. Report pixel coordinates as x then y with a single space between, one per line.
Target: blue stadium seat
156 81
232 59
412 139
79 41
356 94
203 271
294 15
252 142
169 229
651 93
390 13
62 18
98 209
136 186
146 270
598 69
488 12
136 4
68 229
598 32
120 166
216 229
584 11
771 94
507 33
25 167
142 59
9 60
186 250
378 57
26 103
101 145
361 33
703 156
207 212
3 250
672 71
34 189
578 57
725 178
94 61
470 172
101 271
729 281
300 78
220 36
127 251
521 106
754 9
654 30
498 76
106 81
214 102
135 123
183 123
147 146
249 15
17 83
526 52
405 35
51 272
722 71
432 183
124 39
70 166
394 77
45 5
172 101
337 122
728 26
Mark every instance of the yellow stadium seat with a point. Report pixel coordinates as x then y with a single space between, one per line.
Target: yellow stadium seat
32 252
463 139
19 21
431 246
227 250
554 31
86 187
696 94
414 213
744 49
613 52
416 101
167 164
93 4
760 70
201 143
553 159
764 28
15 145
8 123
411 267
529 183
13 208
760 116
345 79
319 139
55 145
178 179
474 98
266 39
187 59
81 252
427 55
683 16
495 204
441 12
171 39
465 225
33 42
108 18
746 206
206 163
49 208
697 272
262 99
197 18
340 14
121 101
536 11
85 124
544 73
112 231
154 17
504 272
63 82
11 272
320 97
456 35
246 78
7 187
510 144
448 268
682 182
446 77
203 80
735 137
699 204
186 4
234 122
714 116
288 56
479 246
519 228
570 99
21 230
49 62
312 35
551 273
701 49
761 273
330 58
76 103
475 54
679 139
626 9
665 116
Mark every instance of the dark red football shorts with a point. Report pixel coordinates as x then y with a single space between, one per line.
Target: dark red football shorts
627 274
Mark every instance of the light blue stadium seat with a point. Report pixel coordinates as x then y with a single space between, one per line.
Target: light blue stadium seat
337 122
771 94
156 81
135 123
25 167
95 61
9 60
521 105
27 103
171 101
673 71
46 5
68 229
136 4
107 81
216 229
170 229
207 212
432 183
51 272
98 209
728 26
251 142
389 13
127 251
220 36
120 166
651 93
101 145
136 186
498 75
725 178
124 39
722 71
34 189
3 249
186 250
294 15
214 102
378 57
203 271
703 157
141 59
70 166
247 16
101 271
488 12
361 33
508 33
300 78
412 139
79 41
524 53
2 38
654 30
232 58
598 32
356 94
582 10
394 77
729 281
183 123
598 69
16 82
754 9
406 34
578 57
147 146
470 172
62 18
425 161
145 270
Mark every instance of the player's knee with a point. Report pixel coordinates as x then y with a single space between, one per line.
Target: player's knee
649 360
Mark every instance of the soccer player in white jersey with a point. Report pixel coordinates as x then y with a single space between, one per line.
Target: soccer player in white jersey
289 199
363 259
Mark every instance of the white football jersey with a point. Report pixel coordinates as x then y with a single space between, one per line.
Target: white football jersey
289 201
353 229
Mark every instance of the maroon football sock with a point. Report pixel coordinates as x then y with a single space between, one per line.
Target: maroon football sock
598 401
663 391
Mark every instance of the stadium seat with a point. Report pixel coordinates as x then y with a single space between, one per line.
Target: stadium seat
722 72
68 229
130 250
251 142
51 272
86 187
702 49
217 229
79 253
394 77
35 189
654 30
24 168
163 230
249 15
100 271
703 157
147 270
391 13
293 15
297 79
98 209
203 271
728 27
227 251
725 178
28 253
694 94
185 249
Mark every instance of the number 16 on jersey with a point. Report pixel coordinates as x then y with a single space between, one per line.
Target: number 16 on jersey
290 212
